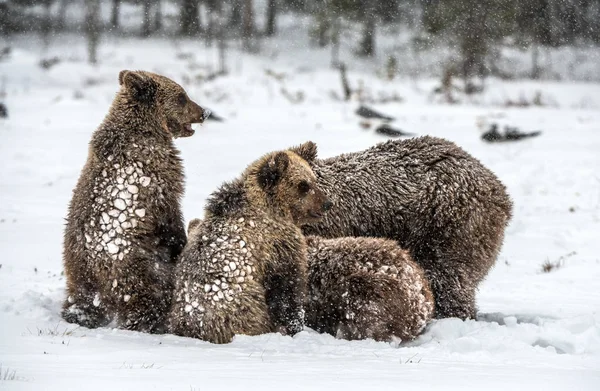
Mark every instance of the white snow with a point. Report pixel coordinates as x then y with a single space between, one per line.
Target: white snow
536 330
145 181
120 204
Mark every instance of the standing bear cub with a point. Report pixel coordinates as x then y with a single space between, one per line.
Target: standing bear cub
124 227
430 196
243 270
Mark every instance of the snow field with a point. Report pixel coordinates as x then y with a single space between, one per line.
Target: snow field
536 330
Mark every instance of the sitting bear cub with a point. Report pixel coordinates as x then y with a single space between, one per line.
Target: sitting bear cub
243 270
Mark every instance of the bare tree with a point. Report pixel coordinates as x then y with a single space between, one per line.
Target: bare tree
114 18
335 42
46 26
158 16
221 37
214 14
147 19
248 25
61 20
367 45
236 13
190 17
92 28
271 26
474 40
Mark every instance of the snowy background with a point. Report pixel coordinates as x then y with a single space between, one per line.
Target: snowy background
536 329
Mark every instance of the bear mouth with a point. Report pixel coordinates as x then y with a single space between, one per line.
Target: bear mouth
316 215
187 131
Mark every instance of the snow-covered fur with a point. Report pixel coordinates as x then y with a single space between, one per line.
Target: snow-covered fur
431 196
243 270
124 227
365 288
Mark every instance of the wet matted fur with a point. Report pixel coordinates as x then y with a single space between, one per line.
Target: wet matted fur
365 288
124 226
243 270
431 196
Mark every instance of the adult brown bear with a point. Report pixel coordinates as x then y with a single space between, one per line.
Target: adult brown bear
428 194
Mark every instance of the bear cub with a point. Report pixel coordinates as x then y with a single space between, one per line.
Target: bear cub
362 288
243 270
124 226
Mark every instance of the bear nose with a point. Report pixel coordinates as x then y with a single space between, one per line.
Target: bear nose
327 205
205 114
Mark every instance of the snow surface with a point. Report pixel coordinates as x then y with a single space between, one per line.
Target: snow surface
536 330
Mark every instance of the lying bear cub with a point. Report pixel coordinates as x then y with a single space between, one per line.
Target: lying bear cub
366 288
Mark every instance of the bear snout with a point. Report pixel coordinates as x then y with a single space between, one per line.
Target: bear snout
197 113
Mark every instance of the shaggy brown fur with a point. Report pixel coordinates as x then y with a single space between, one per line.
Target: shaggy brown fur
124 227
365 288
431 196
243 270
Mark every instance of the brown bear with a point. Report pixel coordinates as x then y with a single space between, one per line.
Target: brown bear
432 197
124 227
243 270
365 288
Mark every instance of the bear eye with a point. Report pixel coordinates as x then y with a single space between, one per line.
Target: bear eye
303 187
182 99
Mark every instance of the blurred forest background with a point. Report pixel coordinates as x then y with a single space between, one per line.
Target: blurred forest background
446 39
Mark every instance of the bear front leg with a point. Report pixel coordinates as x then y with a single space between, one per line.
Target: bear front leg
454 296
84 306
285 298
172 237
143 295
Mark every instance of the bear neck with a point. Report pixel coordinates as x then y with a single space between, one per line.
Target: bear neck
128 122
242 196
228 200
265 203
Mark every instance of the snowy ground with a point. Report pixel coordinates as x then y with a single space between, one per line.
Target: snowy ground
536 330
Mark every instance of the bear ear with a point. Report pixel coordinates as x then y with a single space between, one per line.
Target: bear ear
272 170
141 87
193 224
307 151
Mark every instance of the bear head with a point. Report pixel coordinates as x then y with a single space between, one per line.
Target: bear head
167 100
286 184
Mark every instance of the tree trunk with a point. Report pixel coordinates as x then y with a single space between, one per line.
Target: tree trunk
158 16
474 44
236 13
147 19
248 25
535 59
114 20
92 27
190 17
367 45
271 18
335 43
47 25
222 43
323 27
388 9
61 23
295 5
